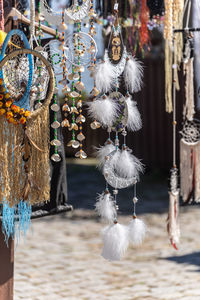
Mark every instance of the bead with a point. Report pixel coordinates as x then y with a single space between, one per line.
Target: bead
55 125
55 142
115 192
135 200
81 137
56 157
55 107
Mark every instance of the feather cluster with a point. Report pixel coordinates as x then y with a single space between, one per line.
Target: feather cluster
104 76
134 122
104 110
103 151
105 206
115 239
126 164
137 231
133 74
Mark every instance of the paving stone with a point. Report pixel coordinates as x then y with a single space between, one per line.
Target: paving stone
62 261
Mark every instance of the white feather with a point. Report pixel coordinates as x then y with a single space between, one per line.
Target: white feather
104 76
127 165
105 207
115 239
103 151
134 119
133 74
137 231
103 110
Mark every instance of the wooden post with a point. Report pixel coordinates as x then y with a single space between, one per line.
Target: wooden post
6 268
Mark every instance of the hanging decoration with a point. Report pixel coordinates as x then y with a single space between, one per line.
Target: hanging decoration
73 14
190 141
115 112
173 20
25 138
74 56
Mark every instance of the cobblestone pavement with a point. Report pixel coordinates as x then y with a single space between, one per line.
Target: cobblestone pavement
62 261
61 256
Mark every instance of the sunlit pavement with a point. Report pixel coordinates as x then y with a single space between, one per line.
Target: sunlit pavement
61 256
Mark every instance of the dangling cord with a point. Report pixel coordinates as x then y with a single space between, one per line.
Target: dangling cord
94 92
115 193
65 107
32 21
116 141
174 113
135 200
1 15
109 133
80 118
174 123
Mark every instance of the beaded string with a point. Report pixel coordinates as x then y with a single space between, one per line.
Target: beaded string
80 119
65 107
38 66
55 107
94 125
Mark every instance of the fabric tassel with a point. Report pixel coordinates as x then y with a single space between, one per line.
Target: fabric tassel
127 165
172 222
189 109
133 74
104 110
103 151
24 213
137 231
104 76
134 122
190 171
115 239
8 221
105 206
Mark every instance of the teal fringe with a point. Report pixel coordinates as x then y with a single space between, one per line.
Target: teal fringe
10 227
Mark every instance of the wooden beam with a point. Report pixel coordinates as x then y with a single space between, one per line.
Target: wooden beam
13 12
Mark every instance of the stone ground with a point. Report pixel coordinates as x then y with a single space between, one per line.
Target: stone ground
60 258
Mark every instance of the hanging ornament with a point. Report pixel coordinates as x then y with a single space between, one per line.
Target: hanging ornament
106 207
189 161
137 228
116 112
115 242
73 14
25 173
104 110
173 216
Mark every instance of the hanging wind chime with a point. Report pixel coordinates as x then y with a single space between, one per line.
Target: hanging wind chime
74 52
117 113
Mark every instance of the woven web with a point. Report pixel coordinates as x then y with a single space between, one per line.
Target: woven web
16 74
16 77
191 131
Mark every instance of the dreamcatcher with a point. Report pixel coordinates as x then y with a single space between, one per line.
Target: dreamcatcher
24 134
178 51
73 14
73 54
120 167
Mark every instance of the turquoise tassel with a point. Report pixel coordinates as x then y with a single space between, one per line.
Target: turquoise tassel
9 221
10 228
